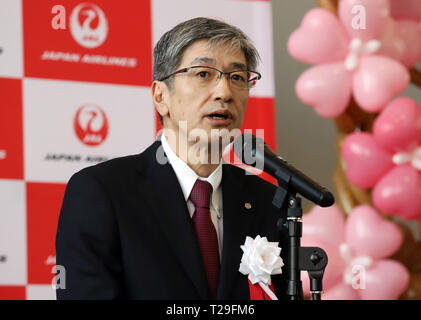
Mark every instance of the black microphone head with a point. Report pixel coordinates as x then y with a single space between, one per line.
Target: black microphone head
327 199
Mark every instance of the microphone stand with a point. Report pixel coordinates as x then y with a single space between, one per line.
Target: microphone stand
310 259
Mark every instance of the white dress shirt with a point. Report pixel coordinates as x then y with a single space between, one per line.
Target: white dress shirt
187 178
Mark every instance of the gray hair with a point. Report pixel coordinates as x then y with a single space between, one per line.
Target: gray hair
168 52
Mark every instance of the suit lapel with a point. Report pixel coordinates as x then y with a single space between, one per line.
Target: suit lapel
238 222
165 197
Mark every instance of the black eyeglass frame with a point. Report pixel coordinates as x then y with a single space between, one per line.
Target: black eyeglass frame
184 70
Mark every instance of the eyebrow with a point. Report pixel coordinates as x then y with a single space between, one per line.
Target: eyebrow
202 60
235 65
238 65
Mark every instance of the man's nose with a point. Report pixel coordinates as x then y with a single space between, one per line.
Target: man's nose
222 89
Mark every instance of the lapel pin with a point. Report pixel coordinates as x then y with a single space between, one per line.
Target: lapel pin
247 205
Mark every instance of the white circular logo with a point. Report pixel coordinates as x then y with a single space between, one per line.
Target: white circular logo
88 25
91 125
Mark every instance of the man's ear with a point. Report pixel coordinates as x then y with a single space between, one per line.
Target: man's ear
160 96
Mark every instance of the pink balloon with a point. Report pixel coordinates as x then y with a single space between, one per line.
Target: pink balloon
368 234
385 280
399 192
327 88
408 9
375 17
392 44
398 127
366 162
377 80
320 38
326 224
341 291
409 31
401 40
335 266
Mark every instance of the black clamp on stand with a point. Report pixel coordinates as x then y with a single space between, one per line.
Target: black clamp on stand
310 259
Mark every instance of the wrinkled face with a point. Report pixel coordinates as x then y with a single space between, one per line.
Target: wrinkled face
216 105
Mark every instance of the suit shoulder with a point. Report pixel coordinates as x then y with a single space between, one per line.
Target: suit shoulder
120 167
111 167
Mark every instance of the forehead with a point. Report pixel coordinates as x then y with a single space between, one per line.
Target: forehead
203 52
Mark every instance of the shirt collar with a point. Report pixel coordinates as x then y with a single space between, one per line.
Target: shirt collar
185 175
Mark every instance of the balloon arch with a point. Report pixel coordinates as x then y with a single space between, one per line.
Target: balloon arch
357 76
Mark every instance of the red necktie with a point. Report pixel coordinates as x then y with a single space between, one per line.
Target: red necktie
206 233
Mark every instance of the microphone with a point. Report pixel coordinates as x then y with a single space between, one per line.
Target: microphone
254 152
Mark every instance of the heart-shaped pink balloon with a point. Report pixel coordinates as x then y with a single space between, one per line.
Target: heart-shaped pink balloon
401 40
409 32
377 80
341 291
364 19
408 9
326 224
327 88
366 162
392 45
335 266
385 280
368 234
399 192
398 127
320 39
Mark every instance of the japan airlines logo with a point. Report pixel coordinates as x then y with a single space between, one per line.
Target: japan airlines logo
91 125
88 25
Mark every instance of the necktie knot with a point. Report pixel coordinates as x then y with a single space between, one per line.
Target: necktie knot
201 194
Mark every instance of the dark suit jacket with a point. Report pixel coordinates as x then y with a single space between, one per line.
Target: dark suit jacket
124 232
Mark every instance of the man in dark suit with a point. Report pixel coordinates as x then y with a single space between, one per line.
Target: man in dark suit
168 223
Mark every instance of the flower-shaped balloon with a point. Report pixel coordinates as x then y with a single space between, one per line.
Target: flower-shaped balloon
357 250
389 159
399 36
348 59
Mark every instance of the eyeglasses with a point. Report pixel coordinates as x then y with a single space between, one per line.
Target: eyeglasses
206 76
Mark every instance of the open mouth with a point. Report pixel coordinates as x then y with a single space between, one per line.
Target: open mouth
220 115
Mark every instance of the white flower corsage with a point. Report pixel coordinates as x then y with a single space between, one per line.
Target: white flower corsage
260 260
